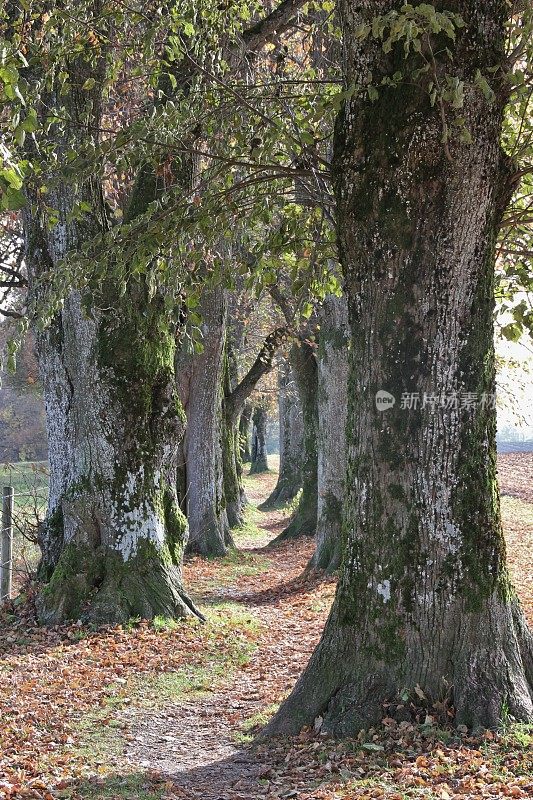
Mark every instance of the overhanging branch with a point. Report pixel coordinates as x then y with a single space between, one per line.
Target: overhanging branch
234 402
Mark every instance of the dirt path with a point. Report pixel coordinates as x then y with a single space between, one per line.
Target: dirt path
161 711
195 743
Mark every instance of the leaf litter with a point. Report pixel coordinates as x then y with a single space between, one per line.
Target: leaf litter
169 711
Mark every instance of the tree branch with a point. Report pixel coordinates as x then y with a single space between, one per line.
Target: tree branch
13 314
275 23
234 402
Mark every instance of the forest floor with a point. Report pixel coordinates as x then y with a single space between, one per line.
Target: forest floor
169 711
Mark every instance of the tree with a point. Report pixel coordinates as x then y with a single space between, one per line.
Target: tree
114 536
200 380
424 605
304 365
259 462
290 438
331 445
244 433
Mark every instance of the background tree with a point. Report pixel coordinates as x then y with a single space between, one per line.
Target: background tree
290 438
332 395
304 366
200 377
259 462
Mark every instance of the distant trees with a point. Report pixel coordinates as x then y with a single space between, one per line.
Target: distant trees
290 438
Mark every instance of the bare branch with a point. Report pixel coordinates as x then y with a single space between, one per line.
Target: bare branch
234 402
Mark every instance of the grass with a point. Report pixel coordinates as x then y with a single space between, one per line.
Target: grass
29 480
250 527
250 726
129 787
237 563
229 642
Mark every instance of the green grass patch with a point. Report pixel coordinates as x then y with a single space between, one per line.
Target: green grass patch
251 726
29 479
234 565
230 641
129 787
251 525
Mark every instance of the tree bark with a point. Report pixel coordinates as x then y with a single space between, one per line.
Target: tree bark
244 433
114 536
332 411
424 603
200 381
113 539
259 447
290 439
304 366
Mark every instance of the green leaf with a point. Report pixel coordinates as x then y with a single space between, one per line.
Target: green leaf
12 177
13 200
484 86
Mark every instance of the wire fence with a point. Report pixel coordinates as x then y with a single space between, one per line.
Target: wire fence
6 553
24 503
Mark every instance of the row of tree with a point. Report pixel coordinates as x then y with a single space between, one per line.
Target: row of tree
170 163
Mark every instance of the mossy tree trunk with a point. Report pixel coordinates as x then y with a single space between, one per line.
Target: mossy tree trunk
113 539
234 495
290 438
114 536
200 387
332 410
424 602
236 396
245 424
304 366
259 461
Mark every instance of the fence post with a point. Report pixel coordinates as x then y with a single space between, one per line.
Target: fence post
6 552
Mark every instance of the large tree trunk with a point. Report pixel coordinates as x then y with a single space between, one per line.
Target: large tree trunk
424 603
290 438
114 535
259 445
332 410
200 382
304 366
